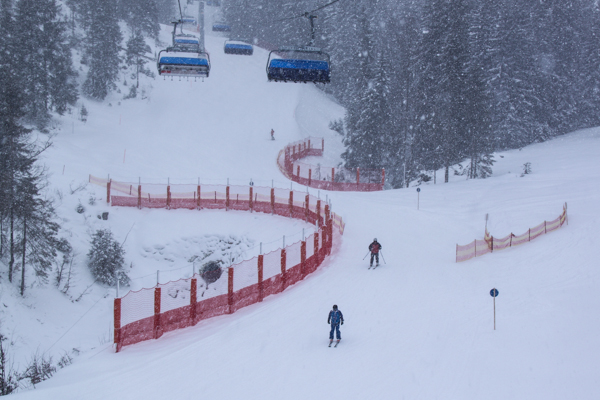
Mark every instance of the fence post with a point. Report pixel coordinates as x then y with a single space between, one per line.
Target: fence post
319 211
283 269
456 259
199 204
322 145
251 200
298 172
332 176
492 244
117 324
260 277
291 203
168 197
302 258
382 177
157 330
327 212
230 290
272 201
330 235
306 200
227 198
317 249
108 191
357 176
544 227
475 241
529 232
193 300
309 144
309 175
140 196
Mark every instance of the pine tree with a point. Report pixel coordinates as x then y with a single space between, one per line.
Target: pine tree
106 259
44 60
103 44
136 49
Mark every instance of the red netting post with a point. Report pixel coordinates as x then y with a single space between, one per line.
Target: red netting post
330 235
306 200
139 196
283 266
309 144
357 176
227 198
456 252
319 211
475 241
117 324
193 300
168 196
260 277
251 199
317 262
108 191
309 175
322 144
272 200
291 203
324 240
302 258
492 240
544 227
199 204
382 177
332 175
327 216
298 171
157 332
529 233
230 290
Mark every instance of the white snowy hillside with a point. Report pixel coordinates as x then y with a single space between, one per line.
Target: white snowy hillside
420 326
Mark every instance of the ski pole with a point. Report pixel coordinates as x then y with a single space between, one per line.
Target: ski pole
366 255
382 257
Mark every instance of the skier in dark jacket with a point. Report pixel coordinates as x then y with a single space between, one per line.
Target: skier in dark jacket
336 318
374 249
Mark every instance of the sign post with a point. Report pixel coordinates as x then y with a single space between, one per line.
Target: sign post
418 193
494 294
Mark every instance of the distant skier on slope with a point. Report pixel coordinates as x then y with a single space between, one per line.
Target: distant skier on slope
336 318
272 134
374 249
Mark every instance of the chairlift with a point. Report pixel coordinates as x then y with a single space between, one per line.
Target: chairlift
221 27
304 64
188 20
186 42
238 46
175 62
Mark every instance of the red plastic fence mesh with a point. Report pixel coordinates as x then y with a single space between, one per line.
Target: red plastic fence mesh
148 313
490 244
321 177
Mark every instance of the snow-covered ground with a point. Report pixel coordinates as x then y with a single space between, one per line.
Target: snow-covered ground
418 327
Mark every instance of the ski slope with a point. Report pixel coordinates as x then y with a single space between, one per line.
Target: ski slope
418 327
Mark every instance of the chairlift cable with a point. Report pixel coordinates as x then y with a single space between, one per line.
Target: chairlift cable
307 13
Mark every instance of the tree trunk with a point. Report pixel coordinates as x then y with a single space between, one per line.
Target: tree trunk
447 174
24 251
11 263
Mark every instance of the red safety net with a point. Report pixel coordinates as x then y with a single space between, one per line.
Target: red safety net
490 244
327 178
148 313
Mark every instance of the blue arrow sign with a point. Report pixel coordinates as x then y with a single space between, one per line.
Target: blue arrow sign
494 292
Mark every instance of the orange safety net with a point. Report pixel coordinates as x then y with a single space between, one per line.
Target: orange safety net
490 244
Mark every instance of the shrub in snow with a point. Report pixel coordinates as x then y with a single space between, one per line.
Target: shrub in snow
211 272
526 169
39 369
106 259
8 377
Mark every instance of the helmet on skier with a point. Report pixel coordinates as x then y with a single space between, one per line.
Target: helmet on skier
375 239
335 307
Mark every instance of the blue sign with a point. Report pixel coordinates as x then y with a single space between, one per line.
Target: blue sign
418 189
494 292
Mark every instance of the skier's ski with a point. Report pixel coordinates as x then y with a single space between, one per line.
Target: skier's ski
338 342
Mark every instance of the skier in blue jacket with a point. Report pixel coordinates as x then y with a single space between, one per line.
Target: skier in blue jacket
336 318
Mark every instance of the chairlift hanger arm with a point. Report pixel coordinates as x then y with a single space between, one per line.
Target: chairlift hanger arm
307 14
